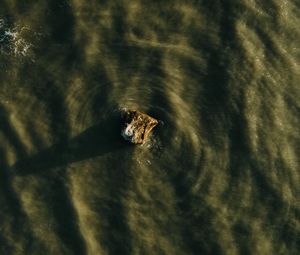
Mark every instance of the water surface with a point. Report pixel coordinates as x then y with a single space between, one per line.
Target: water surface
219 176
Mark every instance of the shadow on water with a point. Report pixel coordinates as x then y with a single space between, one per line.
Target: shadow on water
59 25
95 141
11 203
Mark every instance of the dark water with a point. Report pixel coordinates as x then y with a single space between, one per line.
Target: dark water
220 176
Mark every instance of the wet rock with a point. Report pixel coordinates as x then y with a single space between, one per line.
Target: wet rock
137 126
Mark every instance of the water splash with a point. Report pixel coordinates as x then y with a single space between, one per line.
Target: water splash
12 39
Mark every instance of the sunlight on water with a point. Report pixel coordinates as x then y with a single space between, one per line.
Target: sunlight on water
219 175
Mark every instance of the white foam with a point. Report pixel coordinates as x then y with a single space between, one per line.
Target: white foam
12 40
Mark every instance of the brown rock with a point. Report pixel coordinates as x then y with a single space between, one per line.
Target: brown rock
137 126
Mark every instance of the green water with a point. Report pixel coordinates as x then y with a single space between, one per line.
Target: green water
220 174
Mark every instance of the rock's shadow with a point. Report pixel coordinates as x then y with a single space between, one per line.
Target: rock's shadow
95 141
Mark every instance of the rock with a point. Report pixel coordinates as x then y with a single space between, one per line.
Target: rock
137 126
